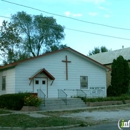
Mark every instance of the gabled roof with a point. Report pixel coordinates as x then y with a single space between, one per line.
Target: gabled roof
50 53
42 71
108 57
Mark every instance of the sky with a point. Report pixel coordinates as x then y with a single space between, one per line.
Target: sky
113 13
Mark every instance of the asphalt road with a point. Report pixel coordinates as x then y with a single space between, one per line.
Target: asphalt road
108 126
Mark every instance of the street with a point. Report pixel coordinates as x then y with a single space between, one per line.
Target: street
107 126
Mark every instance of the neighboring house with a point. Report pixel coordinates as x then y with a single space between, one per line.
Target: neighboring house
107 58
64 71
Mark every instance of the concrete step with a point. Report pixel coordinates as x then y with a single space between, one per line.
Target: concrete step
53 104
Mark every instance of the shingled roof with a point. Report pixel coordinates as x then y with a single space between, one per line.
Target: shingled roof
50 53
108 57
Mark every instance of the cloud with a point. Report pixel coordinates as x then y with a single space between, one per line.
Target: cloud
69 14
103 8
106 15
93 13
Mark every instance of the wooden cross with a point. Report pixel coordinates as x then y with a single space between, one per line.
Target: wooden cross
66 61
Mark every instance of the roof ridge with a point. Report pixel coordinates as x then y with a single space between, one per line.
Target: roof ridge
20 61
49 53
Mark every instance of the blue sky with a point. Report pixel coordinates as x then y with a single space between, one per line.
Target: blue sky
109 12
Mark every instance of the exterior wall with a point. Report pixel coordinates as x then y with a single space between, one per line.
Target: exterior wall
53 63
10 81
1 92
108 74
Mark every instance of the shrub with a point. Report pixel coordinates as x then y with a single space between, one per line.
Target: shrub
120 77
13 101
110 91
100 99
32 100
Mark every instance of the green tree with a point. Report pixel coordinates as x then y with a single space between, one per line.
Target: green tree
98 50
15 56
9 39
38 33
55 48
120 77
29 36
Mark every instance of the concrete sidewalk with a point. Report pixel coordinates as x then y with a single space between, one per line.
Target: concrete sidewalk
74 115
36 114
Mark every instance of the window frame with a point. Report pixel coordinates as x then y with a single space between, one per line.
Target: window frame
3 83
86 87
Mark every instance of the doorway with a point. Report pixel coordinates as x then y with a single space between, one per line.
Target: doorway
40 83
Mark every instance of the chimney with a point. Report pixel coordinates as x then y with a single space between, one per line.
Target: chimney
123 47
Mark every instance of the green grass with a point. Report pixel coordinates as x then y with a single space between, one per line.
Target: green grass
4 112
21 120
100 99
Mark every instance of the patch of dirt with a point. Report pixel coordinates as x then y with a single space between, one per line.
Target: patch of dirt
96 116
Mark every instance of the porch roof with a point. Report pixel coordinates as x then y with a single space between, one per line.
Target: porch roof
43 71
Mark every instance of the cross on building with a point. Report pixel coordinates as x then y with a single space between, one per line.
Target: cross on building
66 62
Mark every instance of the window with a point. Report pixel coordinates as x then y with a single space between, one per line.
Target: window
3 83
83 81
43 82
36 81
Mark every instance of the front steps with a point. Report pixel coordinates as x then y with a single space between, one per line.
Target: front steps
56 104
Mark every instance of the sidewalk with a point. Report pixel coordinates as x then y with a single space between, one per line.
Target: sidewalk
38 115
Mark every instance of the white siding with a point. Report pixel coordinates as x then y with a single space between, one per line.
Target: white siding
79 66
10 81
1 92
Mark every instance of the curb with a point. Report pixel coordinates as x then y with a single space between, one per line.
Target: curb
39 128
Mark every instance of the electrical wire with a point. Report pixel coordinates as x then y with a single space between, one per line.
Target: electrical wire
81 31
99 24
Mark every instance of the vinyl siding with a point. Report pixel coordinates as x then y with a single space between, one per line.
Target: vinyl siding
79 66
10 81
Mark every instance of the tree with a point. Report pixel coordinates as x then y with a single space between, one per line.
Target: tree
55 48
98 50
120 77
15 56
29 36
38 32
9 39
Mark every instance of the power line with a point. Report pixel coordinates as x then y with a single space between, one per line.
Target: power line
66 16
4 17
81 31
98 34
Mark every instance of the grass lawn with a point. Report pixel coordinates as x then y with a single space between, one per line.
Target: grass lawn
22 120
4 111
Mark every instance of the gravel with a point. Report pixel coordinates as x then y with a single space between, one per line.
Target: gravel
106 114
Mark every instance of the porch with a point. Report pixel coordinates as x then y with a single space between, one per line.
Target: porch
65 100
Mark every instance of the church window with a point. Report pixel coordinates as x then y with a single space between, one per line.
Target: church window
3 83
83 82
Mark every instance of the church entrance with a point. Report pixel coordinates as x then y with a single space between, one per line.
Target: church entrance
40 83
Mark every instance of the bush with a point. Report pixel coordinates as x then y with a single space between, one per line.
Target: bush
100 99
110 91
120 77
13 101
32 100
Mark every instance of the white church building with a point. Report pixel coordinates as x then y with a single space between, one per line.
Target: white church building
64 71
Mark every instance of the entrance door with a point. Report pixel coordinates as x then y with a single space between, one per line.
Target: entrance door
40 83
